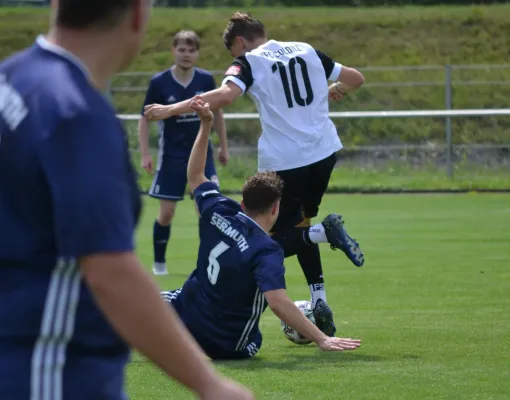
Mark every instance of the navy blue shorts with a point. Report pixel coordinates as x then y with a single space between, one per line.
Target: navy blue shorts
170 180
80 378
213 348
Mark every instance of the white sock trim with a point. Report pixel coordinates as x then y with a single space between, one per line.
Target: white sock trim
317 234
317 291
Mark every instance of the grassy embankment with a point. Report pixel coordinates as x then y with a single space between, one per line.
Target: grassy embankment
356 37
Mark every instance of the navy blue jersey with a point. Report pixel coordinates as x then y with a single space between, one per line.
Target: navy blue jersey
222 300
177 134
67 190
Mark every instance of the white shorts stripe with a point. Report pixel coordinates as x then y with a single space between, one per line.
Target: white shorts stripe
153 185
170 296
161 145
57 329
258 306
252 349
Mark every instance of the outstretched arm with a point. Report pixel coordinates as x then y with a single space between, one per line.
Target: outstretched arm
269 274
198 157
217 98
285 309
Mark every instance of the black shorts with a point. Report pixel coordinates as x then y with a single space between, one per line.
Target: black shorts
303 191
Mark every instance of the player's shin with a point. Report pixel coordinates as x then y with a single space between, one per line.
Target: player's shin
310 260
160 237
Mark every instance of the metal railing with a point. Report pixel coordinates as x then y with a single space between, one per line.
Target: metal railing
447 82
446 114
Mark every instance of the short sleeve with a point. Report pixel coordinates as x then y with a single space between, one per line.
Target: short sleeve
208 197
86 166
331 67
153 94
239 73
269 269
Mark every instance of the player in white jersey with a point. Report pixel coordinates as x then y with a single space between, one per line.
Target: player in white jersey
288 82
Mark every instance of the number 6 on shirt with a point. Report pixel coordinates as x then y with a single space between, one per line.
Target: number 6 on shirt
214 266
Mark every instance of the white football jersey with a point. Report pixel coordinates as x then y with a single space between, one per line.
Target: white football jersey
288 82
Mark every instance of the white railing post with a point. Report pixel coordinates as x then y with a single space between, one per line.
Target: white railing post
448 121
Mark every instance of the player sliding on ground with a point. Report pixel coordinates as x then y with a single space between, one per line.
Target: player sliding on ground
289 84
240 267
74 296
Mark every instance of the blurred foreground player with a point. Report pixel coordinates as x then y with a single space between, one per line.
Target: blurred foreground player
289 83
240 267
73 293
181 81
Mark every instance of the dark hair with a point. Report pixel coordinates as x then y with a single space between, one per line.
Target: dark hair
188 37
99 14
261 191
242 24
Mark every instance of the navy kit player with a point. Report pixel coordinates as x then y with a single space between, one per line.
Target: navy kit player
74 295
240 267
288 82
180 82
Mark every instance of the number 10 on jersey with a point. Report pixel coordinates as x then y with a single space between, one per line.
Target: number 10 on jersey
279 66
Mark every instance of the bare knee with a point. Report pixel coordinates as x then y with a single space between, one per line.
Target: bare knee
166 212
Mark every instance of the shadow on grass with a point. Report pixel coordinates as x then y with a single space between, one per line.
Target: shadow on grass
306 361
299 361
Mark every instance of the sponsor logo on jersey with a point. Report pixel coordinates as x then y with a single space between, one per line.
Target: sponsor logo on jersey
233 70
224 226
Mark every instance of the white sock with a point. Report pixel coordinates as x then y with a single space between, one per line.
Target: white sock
317 234
317 292
159 268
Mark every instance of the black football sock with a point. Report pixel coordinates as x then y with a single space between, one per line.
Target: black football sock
160 237
309 258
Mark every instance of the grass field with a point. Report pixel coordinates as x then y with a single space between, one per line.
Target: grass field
431 305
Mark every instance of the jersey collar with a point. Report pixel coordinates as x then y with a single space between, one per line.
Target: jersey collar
44 44
178 81
252 220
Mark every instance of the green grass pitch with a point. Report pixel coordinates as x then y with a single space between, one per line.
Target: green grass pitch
431 304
